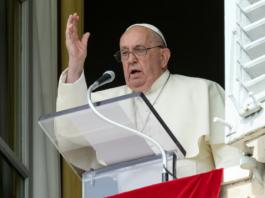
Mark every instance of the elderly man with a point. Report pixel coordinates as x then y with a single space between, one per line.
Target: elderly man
187 105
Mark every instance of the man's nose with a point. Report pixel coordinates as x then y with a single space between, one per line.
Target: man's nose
132 58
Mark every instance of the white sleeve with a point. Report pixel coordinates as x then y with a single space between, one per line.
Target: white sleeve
77 150
71 95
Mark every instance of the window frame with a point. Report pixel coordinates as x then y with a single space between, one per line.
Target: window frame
26 90
13 159
22 166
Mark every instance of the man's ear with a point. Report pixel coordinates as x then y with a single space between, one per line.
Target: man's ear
165 56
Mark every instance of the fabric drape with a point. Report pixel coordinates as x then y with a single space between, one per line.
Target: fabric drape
46 159
71 184
202 185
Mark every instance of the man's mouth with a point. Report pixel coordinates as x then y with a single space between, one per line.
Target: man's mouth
135 72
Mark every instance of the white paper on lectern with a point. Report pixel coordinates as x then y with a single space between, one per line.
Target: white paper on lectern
112 144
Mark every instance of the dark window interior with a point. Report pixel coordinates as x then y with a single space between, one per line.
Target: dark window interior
11 183
194 31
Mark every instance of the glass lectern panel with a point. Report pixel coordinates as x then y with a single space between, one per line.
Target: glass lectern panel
125 177
89 143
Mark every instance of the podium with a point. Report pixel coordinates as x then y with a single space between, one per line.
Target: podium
110 160
125 176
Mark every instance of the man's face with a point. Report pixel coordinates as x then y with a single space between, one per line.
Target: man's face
141 73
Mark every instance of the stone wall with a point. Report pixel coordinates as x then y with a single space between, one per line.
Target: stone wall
249 188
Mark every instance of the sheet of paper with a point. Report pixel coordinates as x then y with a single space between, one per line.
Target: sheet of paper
112 144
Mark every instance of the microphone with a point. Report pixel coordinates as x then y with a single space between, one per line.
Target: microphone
107 77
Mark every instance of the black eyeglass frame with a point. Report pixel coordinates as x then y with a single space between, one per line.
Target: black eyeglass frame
118 53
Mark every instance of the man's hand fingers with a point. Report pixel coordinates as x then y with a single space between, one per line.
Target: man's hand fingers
75 23
68 21
73 19
69 32
85 38
69 27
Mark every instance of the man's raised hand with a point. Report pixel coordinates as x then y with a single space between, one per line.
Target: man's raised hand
77 49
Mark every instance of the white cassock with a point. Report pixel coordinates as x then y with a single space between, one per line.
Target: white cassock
187 105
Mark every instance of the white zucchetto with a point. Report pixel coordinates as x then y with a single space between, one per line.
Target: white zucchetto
151 27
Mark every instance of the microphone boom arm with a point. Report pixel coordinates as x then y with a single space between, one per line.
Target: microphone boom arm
96 85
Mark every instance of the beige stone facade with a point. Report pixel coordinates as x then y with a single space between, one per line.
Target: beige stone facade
250 188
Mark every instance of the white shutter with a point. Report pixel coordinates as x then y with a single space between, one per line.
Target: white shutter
245 73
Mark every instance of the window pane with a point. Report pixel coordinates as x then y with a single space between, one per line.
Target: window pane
10 46
11 183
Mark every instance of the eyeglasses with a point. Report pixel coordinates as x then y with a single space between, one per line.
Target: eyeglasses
138 52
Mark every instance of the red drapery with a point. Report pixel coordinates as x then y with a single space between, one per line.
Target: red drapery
205 185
